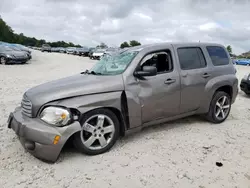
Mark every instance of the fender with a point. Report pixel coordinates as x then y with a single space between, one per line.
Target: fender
213 85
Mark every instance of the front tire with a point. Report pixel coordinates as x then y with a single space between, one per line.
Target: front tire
100 131
220 107
3 60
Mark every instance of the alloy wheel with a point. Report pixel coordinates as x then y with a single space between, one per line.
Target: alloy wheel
97 132
222 107
3 60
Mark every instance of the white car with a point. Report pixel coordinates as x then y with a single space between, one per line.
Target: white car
98 54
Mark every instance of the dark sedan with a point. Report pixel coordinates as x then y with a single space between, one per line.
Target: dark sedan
8 56
16 48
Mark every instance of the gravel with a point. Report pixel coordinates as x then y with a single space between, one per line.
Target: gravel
185 153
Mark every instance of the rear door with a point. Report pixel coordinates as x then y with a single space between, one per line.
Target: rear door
194 74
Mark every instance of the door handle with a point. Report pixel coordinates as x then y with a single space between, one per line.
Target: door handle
206 75
169 81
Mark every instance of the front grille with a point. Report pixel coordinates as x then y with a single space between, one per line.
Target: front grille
26 106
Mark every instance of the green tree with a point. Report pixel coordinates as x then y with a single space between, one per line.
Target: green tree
8 35
102 45
124 45
229 49
134 43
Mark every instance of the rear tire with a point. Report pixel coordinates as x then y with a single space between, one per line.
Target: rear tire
100 131
220 107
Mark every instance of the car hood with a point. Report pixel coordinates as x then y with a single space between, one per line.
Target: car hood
73 86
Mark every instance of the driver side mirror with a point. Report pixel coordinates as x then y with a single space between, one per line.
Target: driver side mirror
146 71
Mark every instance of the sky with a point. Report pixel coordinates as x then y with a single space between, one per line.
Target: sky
90 22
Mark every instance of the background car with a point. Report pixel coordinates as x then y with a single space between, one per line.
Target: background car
8 56
15 48
83 51
245 84
46 48
62 50
242 62
71 50
98 54
19 47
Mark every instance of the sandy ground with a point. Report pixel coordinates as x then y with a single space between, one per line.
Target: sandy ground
178 154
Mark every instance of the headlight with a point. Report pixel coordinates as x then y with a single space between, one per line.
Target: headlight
56 116
8 55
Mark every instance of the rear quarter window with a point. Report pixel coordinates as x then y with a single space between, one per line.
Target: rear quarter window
218 55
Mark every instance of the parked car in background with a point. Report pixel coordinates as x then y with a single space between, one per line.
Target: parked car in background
245 84
56 49
15 48
98 54
242 62
10 56
46 48
83 51
19 47
71 50
62 50
126 91
53 49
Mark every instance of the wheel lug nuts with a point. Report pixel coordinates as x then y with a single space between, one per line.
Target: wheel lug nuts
102 131
100 135
95 135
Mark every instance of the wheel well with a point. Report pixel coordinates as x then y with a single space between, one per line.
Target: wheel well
228 89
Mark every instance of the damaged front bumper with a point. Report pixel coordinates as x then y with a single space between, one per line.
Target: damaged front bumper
39 138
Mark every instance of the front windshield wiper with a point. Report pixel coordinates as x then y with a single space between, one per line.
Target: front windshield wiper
91 72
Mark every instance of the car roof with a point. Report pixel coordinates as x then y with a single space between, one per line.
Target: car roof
167 44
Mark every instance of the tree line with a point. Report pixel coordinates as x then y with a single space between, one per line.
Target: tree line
8 35
130 44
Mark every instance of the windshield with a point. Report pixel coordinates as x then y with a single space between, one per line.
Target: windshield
114 64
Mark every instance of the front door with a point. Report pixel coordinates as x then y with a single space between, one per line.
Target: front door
159 95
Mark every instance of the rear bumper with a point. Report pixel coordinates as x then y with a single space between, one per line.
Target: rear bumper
37 137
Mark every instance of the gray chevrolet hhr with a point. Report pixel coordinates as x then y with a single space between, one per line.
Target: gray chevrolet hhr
124 92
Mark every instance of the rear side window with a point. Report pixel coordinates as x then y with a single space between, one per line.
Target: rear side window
218 55
191 58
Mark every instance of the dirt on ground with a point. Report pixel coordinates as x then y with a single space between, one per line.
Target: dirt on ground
186 153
